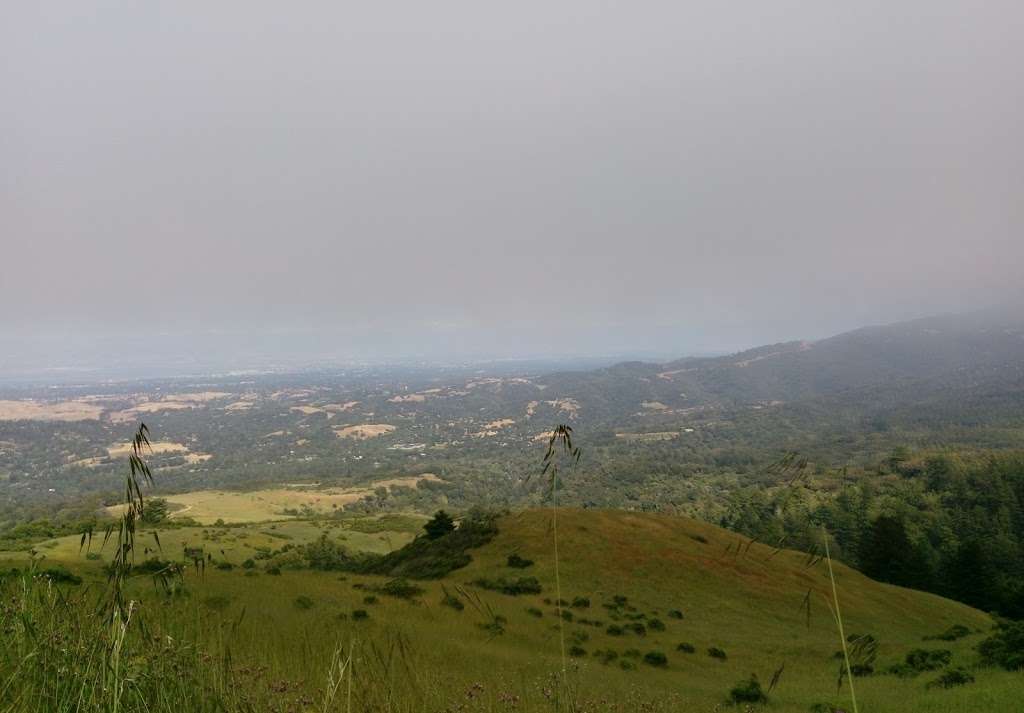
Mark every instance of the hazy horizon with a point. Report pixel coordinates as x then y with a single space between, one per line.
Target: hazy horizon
469 182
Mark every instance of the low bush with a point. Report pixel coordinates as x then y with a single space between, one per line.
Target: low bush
748 691
656 659
451 601
225 566
717 653
516 587
928 660
399 588
1005 648
957 631
303 602
60 575
614 630
656 625
360 614
534 611
675 614
369 599
577 651
517 562
951 679
580 603
686 648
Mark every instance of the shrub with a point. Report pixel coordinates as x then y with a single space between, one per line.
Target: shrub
274 570
748 691
360 614
686 648
637 628
399 588
523 585
580 603
957 631
226 566
656 659
534 611
614 630
675 614
518 562
567 615
60 575
626 665
951 678
861 669
249 564
303 602
369 599
716 653
577 651
606 656
1005 648
656 625
928 660
450 600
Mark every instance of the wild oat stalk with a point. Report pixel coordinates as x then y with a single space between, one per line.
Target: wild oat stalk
113 605
839 622
559 447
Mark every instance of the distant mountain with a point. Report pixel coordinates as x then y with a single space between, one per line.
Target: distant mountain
954 369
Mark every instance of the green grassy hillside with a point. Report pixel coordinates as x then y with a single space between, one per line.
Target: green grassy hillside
501 652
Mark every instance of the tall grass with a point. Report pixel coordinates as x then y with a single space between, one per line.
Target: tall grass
559 448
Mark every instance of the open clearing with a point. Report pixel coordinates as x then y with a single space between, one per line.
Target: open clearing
364 431
29 410
155 447
208 506
648 437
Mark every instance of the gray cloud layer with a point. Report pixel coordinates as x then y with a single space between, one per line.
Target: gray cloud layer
679 175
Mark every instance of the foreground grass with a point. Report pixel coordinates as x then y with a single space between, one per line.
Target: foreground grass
264 642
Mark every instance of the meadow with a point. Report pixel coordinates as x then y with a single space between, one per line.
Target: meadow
636 587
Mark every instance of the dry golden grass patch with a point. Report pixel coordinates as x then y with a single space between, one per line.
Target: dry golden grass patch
31 410
364 431
208 506
158 448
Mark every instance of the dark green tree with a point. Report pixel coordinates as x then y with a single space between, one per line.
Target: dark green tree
440 525
155 511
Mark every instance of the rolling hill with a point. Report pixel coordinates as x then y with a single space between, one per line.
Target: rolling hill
636 586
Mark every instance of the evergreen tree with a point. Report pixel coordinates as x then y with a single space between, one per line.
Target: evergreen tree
440 525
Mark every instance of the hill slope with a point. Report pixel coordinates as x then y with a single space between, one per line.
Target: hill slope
635 570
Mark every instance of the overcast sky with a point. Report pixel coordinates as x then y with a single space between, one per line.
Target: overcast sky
518 177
